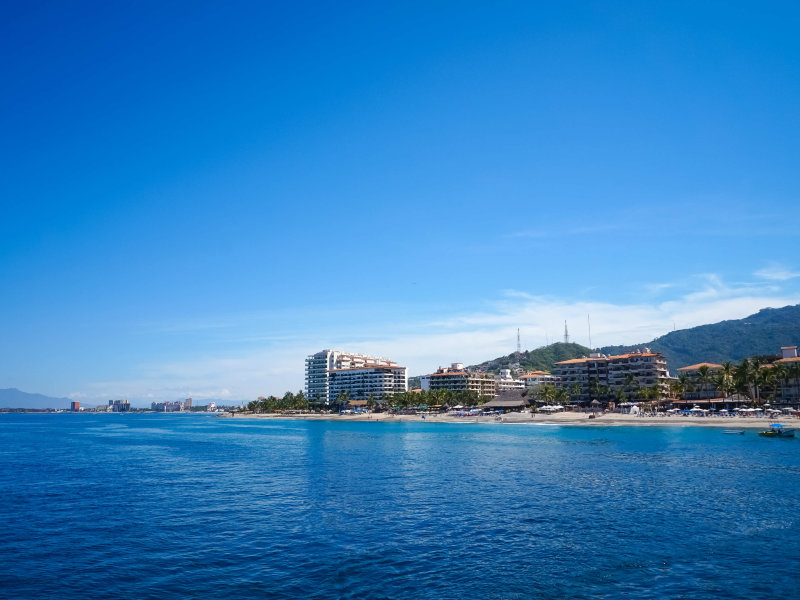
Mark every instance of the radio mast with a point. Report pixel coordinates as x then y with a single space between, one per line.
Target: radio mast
566 333
589 322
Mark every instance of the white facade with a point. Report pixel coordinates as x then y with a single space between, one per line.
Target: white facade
368 381
506 382
320 364
537 378
425 383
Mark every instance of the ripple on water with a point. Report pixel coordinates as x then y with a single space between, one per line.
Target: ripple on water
193 507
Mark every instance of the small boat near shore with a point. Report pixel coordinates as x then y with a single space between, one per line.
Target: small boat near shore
778 430
734 431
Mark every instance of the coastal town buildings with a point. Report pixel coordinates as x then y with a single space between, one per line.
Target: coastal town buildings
458 379
621 376
777 381
177 406
538 378
700 390
331 372
790 384
506 382
118 406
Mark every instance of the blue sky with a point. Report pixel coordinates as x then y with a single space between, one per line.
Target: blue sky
197 195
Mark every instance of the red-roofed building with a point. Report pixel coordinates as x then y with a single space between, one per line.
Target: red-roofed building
457 378
623 375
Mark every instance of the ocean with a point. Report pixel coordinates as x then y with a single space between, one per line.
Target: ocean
155 506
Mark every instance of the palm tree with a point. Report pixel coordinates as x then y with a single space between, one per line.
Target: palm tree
342 400
794 373
723 384
782 376
658 392
704 377
631 384
742 376
546 393
575 391
562 396
686 384
595 388
677 388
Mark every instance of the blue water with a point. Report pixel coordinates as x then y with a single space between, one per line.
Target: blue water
193 506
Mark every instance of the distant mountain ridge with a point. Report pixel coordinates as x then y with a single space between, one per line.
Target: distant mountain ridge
760 334
14 398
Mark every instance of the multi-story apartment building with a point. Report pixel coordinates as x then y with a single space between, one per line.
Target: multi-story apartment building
537 378
625 372
176 406
790 386
118 406
320 365
456 378
506 382
587 373
367 381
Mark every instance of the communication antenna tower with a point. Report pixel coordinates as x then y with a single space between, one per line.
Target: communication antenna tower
519 346
566 333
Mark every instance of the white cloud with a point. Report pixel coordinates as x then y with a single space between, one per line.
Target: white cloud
777 272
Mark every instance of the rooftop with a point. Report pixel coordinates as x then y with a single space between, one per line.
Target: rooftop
698 365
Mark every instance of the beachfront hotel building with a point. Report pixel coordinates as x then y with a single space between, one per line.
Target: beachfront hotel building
626 372
373 381
354 372
790 386
505 382
458 379
537 378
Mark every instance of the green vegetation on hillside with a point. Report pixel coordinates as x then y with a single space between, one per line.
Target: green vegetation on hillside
541 359
761 334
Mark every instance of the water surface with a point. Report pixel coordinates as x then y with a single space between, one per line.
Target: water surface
193 506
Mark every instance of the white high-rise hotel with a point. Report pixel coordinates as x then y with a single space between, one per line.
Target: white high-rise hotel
330 372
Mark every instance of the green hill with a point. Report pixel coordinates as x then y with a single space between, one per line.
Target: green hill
761 334
541 359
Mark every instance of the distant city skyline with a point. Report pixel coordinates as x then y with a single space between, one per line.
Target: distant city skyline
197 197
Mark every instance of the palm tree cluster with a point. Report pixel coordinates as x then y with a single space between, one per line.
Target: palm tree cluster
434 398
753 378
289 401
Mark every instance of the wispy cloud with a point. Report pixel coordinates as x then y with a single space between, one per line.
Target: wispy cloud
658 288
551 232
777 272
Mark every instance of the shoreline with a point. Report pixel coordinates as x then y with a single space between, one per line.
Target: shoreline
566 418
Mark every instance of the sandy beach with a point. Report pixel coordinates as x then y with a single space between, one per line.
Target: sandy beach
564 418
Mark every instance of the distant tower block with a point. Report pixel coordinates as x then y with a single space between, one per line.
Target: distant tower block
566 333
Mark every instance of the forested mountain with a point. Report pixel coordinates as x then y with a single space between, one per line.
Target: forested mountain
761 334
